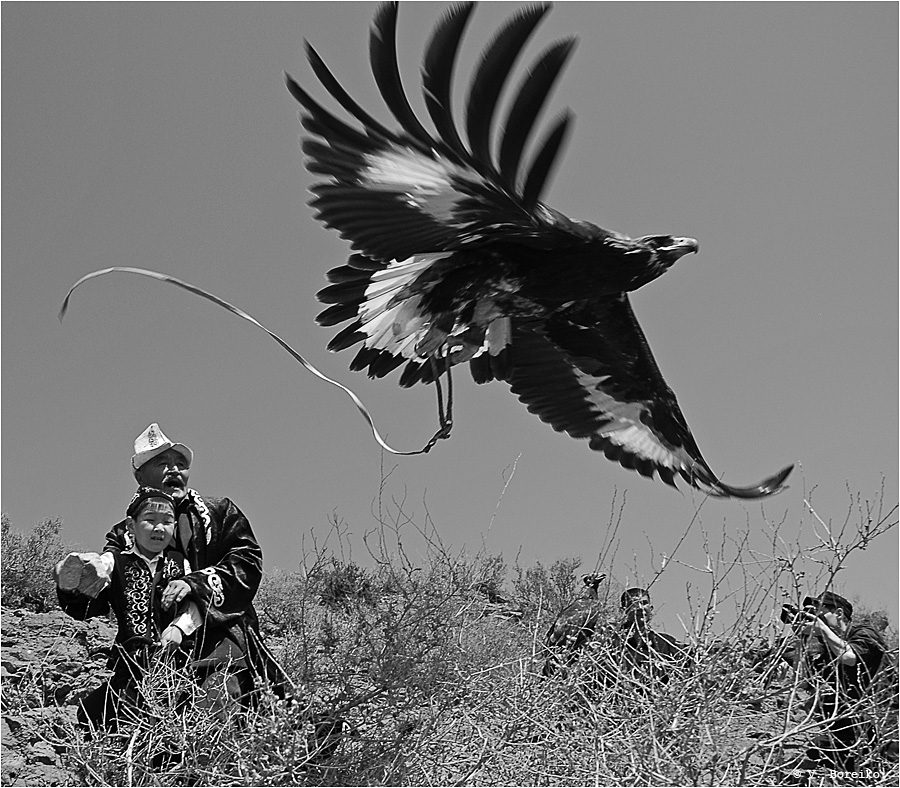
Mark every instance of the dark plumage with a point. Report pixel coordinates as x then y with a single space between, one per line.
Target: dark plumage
574 625
457 259
496 603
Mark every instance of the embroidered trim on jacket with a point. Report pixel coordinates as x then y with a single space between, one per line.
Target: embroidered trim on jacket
215 583
137 597
202 511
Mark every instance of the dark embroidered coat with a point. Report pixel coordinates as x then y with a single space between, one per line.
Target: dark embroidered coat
226 563
134 597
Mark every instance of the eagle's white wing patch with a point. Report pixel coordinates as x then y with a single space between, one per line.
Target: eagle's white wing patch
626 428
498 335
390 321
430 185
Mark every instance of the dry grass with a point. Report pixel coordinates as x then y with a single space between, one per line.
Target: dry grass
434 684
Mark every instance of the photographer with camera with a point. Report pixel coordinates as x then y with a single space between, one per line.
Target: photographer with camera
839 661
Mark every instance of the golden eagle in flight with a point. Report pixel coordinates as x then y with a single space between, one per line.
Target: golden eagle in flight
458 260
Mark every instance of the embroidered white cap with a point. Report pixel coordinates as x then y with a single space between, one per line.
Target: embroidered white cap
153 441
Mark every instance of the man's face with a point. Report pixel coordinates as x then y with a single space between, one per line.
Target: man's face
153 528
168 471
639 609
834 617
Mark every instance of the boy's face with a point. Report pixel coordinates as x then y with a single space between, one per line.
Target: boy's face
153 528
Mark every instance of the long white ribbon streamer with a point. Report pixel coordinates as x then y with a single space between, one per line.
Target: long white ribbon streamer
441 433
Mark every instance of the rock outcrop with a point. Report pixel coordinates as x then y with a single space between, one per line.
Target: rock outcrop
48 662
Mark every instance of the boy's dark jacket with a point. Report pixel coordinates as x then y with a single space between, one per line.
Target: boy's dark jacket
134 597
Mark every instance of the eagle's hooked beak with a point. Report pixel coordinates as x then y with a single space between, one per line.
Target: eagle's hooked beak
681 246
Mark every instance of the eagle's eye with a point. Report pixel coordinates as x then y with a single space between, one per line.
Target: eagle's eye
657 241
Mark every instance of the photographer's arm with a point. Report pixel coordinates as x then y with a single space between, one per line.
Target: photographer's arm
839 648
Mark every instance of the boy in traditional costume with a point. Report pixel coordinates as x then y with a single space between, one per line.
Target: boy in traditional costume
145 580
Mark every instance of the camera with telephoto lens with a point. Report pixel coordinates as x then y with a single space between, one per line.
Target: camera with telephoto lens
789 613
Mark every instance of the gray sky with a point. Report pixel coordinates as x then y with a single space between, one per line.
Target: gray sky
162 137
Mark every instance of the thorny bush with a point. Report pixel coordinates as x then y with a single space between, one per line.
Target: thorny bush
427 672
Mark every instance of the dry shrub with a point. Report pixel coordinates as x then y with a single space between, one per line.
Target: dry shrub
427 672
28 560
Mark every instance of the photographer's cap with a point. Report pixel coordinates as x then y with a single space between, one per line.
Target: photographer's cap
830 599
153 441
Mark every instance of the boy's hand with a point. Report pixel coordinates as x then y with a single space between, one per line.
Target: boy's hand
171 638
86 573
68 572
174 593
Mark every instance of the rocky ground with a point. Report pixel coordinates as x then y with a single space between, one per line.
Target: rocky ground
49 662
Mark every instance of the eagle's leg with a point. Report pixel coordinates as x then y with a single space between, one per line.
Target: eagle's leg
449 415
436 373
445 417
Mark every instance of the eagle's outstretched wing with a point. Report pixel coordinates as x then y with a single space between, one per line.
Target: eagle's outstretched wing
592 375
397 194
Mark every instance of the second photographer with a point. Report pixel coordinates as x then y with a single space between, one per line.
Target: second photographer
840 660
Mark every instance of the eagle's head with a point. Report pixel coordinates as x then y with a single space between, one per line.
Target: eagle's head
668 249
593 579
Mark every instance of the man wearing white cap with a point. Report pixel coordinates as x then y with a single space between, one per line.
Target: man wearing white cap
223 553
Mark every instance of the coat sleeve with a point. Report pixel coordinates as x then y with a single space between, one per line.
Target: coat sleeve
869 649
81 606
224 588
115 539
792 652
668 646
